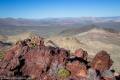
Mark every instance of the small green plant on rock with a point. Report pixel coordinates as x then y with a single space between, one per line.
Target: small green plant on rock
33 45
63 73
1 54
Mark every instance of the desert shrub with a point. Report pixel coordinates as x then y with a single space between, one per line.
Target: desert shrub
33 45
1 54
63 73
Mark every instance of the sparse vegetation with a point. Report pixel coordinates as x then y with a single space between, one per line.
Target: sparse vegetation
33 45
1 54
63 73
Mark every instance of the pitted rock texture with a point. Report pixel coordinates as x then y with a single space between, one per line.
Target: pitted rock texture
31 59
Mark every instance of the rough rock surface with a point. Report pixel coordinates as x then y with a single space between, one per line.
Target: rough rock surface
77 69
31 59
102 61
81 53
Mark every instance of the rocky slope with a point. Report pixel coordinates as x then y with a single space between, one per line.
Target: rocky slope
92 41
32 59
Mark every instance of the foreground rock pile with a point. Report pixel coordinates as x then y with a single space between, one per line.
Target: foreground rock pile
31 59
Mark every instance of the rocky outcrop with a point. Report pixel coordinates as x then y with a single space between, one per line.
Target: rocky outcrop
102 61
100 67
81 53
31 59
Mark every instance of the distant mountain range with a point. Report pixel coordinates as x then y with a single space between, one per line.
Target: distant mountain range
53 26
56 21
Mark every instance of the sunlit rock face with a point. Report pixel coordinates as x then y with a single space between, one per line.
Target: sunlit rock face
102 61
81 53
32 59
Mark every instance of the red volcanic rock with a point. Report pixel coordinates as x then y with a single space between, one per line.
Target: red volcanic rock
58 61
100 66
30 58
81 53
42 59
102 61
11 60
62 56
76 78
46 77
22 60
9 55
77 69
37 61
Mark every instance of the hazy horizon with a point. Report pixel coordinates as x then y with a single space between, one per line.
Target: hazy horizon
60 17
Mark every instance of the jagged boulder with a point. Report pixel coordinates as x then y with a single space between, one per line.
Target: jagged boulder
11 59
102 61
81 53
77 69
100 67
37 61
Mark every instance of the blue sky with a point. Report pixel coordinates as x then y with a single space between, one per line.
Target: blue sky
59 8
